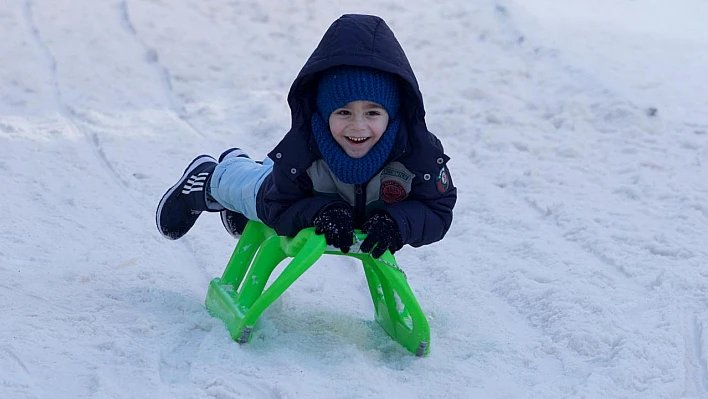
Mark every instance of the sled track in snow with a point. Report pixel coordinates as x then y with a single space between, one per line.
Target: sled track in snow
598 254
65 111
17 359
151 57
506 20
163 74
70 117
695 361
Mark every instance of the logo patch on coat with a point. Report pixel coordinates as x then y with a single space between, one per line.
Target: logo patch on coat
442 181
395 173
392 191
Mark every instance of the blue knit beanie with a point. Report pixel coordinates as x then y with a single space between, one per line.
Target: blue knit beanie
339 86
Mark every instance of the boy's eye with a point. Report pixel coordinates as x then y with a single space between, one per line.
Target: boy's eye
374 113
342 112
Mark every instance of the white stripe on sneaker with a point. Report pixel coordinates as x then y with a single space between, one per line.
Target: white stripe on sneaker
195 183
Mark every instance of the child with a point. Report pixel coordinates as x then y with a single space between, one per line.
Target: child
358 155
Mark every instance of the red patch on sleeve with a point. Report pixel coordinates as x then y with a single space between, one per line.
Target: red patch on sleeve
392 191
442 181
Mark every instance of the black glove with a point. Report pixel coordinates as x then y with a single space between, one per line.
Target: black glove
336 222
383 231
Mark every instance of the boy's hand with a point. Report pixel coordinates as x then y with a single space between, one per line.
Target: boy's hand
336 222
381 230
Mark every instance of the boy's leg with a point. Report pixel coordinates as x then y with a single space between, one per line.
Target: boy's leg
233 222
182 204
236 182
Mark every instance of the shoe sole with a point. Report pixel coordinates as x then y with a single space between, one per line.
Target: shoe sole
225 224
202 159
230 154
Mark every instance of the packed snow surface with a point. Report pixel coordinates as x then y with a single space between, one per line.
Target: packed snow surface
576 266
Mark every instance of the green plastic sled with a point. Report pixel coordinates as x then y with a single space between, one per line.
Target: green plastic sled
238 297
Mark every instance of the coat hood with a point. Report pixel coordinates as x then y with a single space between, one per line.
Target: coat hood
357 40
366 41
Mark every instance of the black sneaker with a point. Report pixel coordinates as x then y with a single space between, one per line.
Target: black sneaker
182 204
233 222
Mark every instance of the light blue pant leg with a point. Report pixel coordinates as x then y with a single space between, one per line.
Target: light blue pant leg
235 184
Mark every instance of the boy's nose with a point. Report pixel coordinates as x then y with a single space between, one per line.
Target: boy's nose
359 123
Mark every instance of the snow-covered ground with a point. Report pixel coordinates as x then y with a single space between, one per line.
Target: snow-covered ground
576 267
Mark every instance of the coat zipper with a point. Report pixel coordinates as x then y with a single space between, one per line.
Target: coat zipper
360 204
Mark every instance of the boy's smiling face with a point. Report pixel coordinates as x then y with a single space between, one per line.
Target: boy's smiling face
358 126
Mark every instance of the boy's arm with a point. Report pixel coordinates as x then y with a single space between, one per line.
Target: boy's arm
426 215
289 206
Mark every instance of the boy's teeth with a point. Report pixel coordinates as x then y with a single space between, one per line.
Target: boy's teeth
359 139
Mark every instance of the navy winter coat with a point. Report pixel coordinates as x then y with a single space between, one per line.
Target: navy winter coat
289 200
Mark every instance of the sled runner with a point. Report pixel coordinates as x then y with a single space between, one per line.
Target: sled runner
239 297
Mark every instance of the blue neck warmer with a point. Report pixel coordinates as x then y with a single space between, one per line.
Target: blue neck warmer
353 170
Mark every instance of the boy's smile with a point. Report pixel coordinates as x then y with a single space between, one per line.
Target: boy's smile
358 126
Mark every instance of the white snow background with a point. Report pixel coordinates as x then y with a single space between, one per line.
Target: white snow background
576 266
